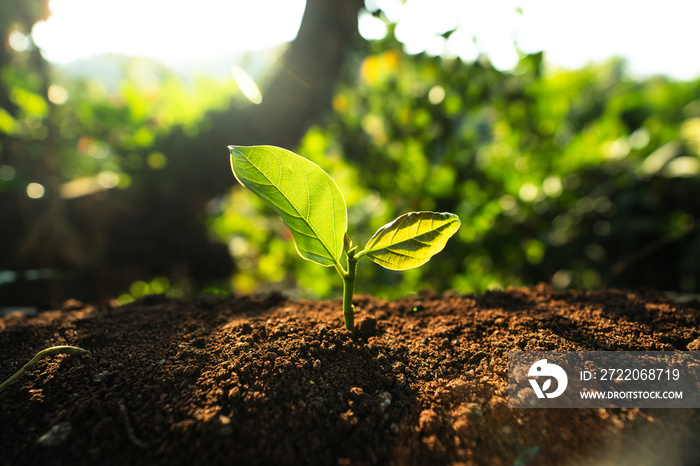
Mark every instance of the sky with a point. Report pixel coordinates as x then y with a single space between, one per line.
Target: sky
654 37
165 29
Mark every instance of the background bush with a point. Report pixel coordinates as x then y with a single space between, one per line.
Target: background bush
583 178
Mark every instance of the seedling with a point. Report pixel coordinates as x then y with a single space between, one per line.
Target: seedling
42 354
312 206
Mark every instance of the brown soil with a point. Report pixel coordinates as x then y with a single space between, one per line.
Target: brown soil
267 380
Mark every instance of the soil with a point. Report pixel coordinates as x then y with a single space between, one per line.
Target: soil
268 380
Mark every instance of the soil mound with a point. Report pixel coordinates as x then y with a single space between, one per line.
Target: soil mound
267 380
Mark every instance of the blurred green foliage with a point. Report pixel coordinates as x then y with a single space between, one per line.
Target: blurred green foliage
141 288
106 130
583 178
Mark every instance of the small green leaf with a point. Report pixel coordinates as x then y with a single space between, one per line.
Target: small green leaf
307 199
411 240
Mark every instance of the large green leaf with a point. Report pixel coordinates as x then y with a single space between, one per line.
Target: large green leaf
307 199
412 239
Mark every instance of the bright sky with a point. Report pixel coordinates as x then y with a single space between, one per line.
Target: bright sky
165 29
655 37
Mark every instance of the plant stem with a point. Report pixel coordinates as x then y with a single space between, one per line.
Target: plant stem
348 290
41 354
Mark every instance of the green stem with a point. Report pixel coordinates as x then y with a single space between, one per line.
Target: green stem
348 290
42 354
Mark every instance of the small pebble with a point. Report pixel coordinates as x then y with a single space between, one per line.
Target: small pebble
56 435
99 377
385 398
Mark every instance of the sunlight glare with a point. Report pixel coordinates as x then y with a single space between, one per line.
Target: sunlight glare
246 84
165 29
653 40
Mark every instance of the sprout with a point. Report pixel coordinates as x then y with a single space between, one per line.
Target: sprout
42 354
312 206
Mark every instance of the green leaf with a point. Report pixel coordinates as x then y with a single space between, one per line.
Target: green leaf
307 199
412 239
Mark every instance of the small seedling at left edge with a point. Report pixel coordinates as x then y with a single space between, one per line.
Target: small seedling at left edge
312 206
42 354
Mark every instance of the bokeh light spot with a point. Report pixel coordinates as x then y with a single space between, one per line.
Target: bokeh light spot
436 94
7 173
35 190
57 94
